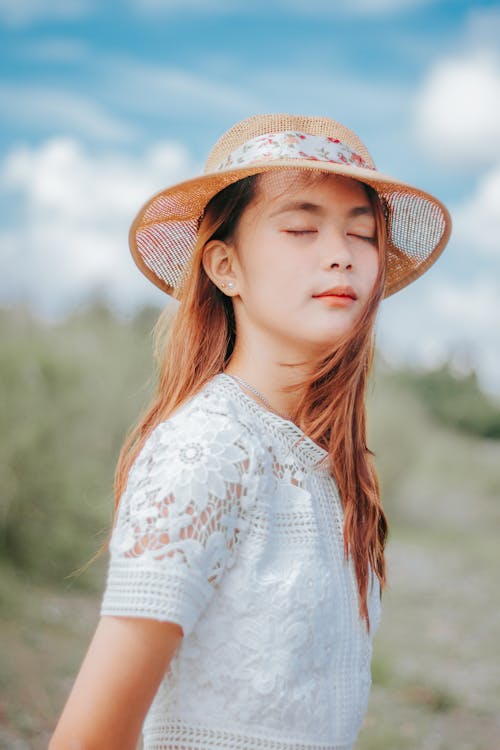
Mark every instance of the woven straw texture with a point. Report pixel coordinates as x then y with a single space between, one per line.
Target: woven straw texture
163 234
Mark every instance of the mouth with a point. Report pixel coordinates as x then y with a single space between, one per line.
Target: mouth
345 293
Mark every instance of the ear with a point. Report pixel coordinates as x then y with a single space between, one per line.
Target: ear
218 262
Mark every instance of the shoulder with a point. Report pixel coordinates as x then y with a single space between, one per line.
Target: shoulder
213 400
209 417
186 507
205 436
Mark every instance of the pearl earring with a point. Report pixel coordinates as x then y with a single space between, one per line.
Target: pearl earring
230 285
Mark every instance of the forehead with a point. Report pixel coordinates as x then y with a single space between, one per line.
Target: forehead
280 186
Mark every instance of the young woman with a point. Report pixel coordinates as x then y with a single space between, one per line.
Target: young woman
247 555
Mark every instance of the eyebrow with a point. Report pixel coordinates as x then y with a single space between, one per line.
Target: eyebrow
314 208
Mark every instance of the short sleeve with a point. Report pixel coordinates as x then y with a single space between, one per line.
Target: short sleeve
181 517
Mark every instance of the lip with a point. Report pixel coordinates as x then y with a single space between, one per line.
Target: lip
339 292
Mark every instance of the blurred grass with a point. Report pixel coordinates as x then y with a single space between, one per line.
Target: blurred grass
456 401
70 392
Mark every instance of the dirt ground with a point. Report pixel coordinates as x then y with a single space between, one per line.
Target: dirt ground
436 674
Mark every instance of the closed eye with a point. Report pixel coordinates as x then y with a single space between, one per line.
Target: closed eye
363 237
299 232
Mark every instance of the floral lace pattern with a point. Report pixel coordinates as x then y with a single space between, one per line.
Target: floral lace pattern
293 145
180 516
231 525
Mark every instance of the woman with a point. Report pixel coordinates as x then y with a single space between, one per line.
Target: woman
247 556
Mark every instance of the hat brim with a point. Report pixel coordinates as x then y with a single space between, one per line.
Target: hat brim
163 234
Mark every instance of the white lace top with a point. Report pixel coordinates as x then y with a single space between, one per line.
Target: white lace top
231 526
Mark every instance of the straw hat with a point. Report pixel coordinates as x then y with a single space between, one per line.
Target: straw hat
163 234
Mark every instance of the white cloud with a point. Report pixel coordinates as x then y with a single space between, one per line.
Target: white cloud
458 111
56 49
323 92
453 311
437 319
354 7
76 209
477 220
169 6
158 88
482 29
61 112
236 92
70 236
17 13
359 7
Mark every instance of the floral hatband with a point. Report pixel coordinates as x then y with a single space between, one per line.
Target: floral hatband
293 145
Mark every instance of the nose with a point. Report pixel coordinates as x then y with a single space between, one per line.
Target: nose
336 253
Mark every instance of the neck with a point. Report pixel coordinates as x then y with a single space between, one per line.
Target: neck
270 370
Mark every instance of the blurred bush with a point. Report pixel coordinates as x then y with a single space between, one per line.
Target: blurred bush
69 394
71 391
455 400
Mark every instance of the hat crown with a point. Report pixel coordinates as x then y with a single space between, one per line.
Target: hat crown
259 125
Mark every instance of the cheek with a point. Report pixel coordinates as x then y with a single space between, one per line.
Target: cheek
272 287
371 269
269 266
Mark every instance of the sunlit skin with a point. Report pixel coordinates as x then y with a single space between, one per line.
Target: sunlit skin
280 260
295 241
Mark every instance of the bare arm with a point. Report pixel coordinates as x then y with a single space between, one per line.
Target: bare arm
118 679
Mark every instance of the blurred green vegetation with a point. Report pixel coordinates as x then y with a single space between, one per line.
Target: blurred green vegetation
70 392
455 400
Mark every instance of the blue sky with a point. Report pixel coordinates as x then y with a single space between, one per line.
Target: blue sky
102 104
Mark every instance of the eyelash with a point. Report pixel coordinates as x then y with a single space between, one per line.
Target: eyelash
302 232
366 239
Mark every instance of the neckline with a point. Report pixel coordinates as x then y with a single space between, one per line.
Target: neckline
304 446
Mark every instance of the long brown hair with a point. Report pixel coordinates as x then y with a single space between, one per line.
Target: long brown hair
198 344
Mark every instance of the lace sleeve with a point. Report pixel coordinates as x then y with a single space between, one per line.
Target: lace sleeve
180 518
